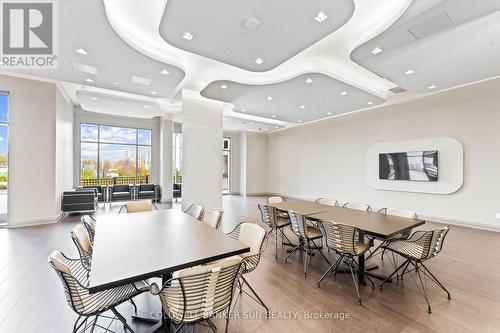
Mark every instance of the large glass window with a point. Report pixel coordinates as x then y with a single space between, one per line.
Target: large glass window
4 155
177 157
114 155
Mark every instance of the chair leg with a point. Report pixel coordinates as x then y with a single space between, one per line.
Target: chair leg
422 288
256 295
332 267
392 274
77 326
435 280
354 276
276 244
179 328
292 252
122 319
133 303
306 259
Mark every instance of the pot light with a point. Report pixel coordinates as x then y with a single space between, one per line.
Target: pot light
89 80
309 80
269 98
329 113
259 61
84 68
146 106
164 72
343 93
302 106
274 116
243 110
299 121
251 123
409 72
431 87
377 50
276 127
116 83
94 98
370 103
81 51
223 86
187 35
153 93
321 17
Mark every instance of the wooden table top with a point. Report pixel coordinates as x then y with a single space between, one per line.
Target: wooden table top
301 207
136 246
380 225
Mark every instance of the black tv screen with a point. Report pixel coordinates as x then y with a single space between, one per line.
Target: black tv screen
419 166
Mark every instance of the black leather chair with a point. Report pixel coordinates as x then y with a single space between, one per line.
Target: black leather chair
120 192
148 191
79 201
177 193
100 191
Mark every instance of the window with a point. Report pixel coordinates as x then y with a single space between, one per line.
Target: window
114 155
4 155
177 157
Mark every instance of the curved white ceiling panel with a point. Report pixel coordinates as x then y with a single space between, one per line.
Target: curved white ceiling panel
437 44
304 98
253 35
239 124
104 59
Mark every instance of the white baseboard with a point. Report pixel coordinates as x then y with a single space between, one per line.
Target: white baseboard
34 222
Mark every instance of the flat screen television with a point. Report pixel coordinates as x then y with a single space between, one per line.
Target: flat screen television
421 166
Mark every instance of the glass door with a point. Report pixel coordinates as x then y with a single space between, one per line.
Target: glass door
4 156
226 166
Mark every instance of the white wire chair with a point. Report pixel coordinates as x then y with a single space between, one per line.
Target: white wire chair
82 242
197 294
419 247
327 201
74 278
90 224
196 211
212 218
138 206
358 206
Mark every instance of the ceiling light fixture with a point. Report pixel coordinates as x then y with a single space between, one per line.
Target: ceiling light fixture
269 98
146 106
276 127
329 113
84 68
164 72
370 103
377 50
299 121
274 116
431 87
409 72
302 106
153 93
321 17
259 61
223 86
94 98
309 80
116 83
187 35
343 93
89 80
81 51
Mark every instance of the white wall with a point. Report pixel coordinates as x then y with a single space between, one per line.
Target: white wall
256 163
152 124
327 158
32 151
64 146
201 151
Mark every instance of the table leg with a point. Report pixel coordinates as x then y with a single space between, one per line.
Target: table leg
164 323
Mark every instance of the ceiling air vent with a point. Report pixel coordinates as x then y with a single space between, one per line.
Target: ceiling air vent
397 90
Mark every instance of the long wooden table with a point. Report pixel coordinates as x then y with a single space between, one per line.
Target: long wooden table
137 246
380 225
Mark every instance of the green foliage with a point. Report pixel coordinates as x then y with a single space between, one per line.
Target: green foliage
4 177
3 160
89 174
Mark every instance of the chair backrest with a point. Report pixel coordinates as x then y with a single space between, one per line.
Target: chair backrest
146 187
200 292
89 223
120 188
298 223
138 206
212 217
398 212
327 201
357 206
431 242
339 237
267 215
273 200
195 211
83 244
252 235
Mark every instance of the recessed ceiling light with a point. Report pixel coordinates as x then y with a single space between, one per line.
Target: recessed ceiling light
259 61
309 80
243 110
377 50
370 103
187 35
223 86
141 80
146 106
153 93
94 98
164 72
81 51
329 113
431 87
84 68
274 116
116 83
251 123
269 98
276 127
89 80
302 106
299 121
343 93
321 17
409 72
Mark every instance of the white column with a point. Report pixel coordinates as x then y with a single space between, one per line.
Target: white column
201 151
166 129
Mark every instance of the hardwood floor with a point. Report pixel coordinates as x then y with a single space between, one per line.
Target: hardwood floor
32 299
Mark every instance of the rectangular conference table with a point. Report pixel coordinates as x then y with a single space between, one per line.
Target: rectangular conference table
137 246
380 225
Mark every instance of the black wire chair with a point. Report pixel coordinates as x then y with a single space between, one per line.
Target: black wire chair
418 248
280 214
343 240
83 244
268 216
198 294
74 278
256 238
196 211
308 235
